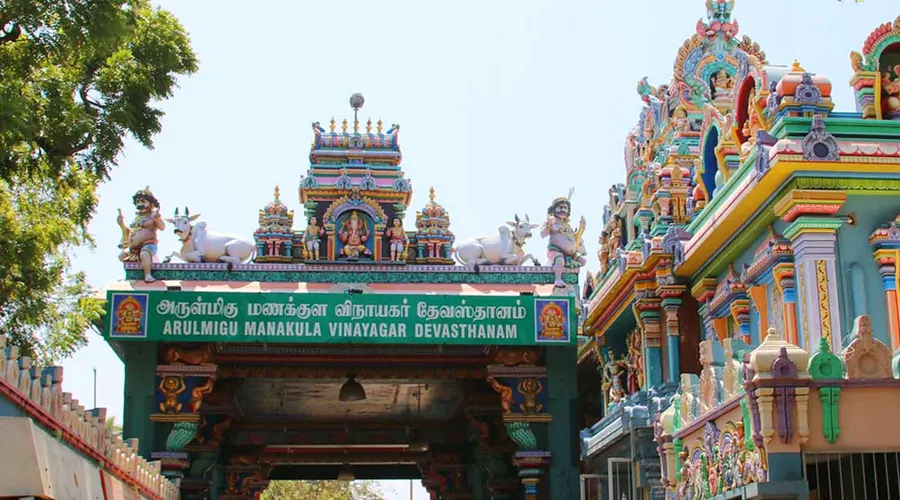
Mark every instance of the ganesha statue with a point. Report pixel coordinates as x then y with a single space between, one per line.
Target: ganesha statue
139 241
354 234
565 248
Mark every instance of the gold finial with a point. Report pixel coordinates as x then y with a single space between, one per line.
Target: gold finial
344 126
277 193
796 68
431 194
355 125
333 123
369 126
379 126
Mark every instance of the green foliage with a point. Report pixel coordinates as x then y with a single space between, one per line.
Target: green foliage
322 490
76 78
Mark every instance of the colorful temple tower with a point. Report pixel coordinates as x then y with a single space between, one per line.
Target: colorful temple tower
351 347
354 192
752 229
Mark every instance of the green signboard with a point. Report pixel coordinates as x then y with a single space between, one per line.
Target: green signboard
162 316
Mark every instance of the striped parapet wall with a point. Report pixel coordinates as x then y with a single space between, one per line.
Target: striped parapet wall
61 450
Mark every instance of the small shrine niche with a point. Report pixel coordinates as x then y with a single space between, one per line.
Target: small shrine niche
711 177
721 89
274 237
356 234
889 69
748 119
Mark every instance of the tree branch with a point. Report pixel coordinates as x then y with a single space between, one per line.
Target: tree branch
11 34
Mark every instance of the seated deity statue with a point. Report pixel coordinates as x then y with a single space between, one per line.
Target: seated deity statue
354 234
722 84
890 87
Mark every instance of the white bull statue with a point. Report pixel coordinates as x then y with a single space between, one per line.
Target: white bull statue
200 245
506 248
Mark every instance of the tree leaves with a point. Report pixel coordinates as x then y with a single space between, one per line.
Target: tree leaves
76 77
322 490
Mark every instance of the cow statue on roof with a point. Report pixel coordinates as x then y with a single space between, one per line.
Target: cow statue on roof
200 245
506 248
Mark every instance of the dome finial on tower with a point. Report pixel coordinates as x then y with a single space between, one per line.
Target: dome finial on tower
356 102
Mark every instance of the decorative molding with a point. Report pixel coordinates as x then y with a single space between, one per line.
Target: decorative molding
339 273
822 286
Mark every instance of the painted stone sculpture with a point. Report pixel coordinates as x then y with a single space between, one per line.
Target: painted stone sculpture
312 239
506 248
890 86
398 240
565 250
200 245
139 241
354 235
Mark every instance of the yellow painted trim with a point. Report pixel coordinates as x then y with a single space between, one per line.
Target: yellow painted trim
806 197
757 196
878 92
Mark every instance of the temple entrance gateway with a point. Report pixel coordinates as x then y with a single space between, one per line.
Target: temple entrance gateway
354 348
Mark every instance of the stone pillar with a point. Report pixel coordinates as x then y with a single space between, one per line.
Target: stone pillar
703 291
813 240
532 467
784 284
671 303
139 401
647 313
812 232
562 375
886 244
887 267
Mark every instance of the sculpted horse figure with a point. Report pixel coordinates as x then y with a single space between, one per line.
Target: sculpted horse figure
506 248
200 245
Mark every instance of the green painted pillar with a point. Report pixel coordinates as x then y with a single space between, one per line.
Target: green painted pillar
562 364
140 387
477 484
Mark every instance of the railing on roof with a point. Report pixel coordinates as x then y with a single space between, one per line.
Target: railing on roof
39 394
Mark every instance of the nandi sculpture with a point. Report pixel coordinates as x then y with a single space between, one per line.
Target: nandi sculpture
200 245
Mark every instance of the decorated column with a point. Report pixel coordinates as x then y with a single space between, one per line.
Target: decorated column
524 402
812 232
647 309
180 388
670 293
704 290
784 283
886 243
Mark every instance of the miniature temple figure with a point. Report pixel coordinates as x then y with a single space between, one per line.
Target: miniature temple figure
723 85
139 242
635 360
566 246
312 238
890 86
398 240
751 126
354 234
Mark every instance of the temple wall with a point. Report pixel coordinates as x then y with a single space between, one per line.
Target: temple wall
867 417
43 466
854 254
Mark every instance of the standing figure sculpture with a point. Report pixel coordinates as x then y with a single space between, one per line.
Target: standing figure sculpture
565 249
354 234
139 242
398 240
312 238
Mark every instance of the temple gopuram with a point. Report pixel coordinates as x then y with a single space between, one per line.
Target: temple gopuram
351 347
744 326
